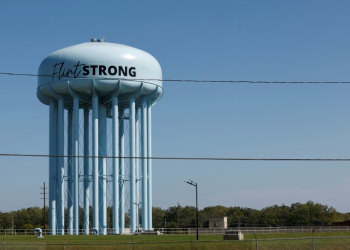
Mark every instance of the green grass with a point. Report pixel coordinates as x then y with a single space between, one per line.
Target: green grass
177 242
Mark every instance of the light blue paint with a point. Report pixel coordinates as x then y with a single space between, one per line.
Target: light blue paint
137 164
95 177
132 164
122 173
115 153
102 188
144 189
70 180
86 173
60 167
149 165
101 95
52 167
76 162
132 142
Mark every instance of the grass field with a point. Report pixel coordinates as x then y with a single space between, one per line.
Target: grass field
288 241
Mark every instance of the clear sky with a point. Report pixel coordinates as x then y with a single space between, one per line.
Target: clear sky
211 40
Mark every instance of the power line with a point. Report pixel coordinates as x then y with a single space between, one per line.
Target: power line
188 80
183 158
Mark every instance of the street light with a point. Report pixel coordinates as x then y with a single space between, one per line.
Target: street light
195 184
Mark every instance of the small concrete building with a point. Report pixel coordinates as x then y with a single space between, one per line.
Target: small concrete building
218 222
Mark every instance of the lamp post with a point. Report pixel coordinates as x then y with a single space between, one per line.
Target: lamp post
195 184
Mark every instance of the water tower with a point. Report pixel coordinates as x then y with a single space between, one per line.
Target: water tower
100 97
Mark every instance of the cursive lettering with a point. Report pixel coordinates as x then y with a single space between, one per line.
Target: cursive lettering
60 71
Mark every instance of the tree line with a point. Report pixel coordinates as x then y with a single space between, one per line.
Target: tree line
297 214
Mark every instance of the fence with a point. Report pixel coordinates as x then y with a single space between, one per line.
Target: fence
257 230
319 243
306 229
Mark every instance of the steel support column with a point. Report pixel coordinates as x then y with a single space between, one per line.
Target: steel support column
52 168
95 178
102 141
149 164
60 166
132 144
70 192
132 150
144 164
137 170
75 159
86 171
121 174
115 153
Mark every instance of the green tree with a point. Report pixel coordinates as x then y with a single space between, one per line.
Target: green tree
158 217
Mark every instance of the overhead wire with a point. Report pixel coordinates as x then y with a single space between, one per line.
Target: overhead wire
180 158
188 80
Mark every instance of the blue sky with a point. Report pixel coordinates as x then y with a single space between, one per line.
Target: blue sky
209 40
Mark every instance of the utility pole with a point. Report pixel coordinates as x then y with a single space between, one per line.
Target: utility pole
178 216
44 189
